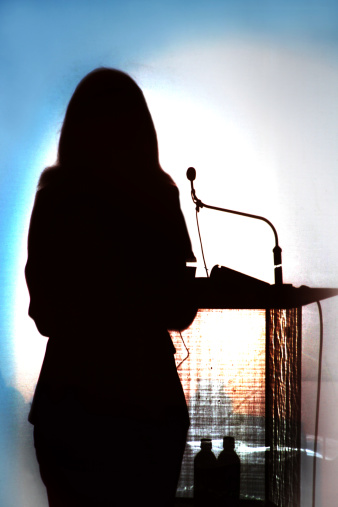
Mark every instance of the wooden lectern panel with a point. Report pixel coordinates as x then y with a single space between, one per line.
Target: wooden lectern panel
283 407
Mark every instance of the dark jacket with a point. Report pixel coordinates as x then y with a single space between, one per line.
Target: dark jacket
107 278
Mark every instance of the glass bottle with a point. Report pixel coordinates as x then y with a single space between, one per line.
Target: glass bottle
228 474
205 465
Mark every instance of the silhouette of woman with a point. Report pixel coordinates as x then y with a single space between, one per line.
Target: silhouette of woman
107 277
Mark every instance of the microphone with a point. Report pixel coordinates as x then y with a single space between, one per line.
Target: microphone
191 174
277 251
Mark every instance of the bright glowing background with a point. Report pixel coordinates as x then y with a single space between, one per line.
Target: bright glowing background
245 91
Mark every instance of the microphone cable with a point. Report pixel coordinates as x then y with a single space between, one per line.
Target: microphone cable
199 234
319 381
186 348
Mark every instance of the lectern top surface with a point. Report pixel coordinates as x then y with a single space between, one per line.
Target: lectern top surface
227 288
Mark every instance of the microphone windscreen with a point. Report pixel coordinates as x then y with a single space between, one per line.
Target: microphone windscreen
191 173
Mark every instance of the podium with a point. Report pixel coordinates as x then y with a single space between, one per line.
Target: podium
282 304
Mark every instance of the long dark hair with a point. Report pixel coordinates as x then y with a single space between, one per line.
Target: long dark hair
108 130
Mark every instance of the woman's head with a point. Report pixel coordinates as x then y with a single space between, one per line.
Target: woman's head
108 125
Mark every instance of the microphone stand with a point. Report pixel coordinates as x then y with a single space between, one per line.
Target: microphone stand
277 251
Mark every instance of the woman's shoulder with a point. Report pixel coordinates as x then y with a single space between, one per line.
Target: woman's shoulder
50 177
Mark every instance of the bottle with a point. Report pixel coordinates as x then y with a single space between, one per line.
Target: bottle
205 465
228 474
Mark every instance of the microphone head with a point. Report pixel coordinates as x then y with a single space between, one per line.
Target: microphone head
191 173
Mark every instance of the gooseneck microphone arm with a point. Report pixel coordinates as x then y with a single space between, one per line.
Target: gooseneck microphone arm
277 251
